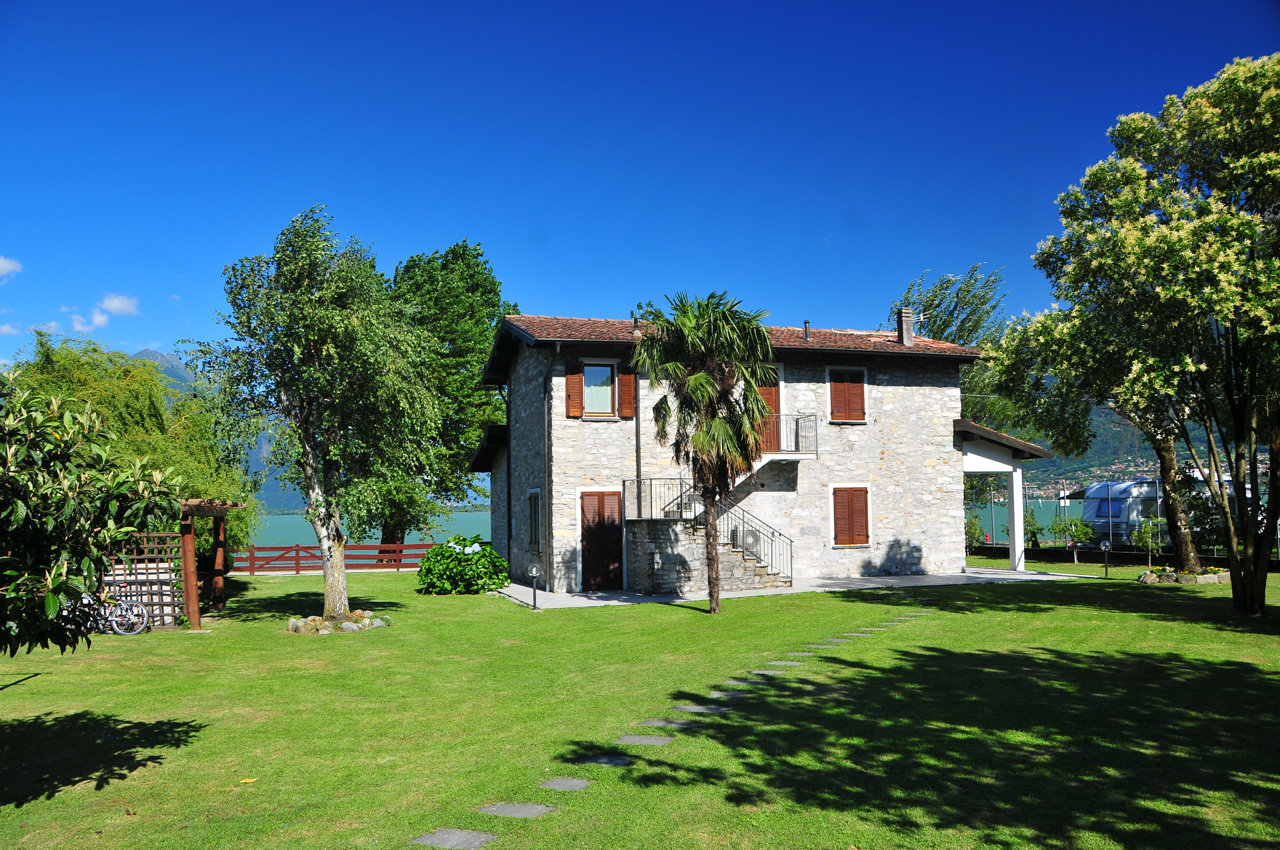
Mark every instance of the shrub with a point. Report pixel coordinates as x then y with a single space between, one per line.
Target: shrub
461 565
974 536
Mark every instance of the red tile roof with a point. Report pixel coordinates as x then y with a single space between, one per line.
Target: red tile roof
561 329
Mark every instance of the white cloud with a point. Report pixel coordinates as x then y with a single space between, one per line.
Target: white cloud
97 320
8 267
118 305
8 330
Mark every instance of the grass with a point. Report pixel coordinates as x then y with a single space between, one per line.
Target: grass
1077 714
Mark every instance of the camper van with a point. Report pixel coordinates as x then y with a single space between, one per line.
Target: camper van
1115 509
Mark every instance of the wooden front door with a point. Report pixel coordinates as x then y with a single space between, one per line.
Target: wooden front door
602 541
772 436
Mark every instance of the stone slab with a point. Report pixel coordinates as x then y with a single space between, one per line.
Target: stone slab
726 694
837 640
746 681
517 810
455 839
670 724
645 740
859 634
607 761
787 663
702 709
818 645
799 653
767 672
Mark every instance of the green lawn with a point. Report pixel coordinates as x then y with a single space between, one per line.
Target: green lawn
1075 714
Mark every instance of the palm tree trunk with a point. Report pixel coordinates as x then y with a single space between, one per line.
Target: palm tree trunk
712 537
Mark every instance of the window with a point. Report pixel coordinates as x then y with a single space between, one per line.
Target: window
847 389
535 521
849 516
599 390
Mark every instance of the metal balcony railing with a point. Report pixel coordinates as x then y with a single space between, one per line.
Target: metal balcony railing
790 433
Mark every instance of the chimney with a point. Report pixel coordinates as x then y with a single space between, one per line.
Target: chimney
806 330
906 326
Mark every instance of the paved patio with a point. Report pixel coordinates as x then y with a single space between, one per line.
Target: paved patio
972 575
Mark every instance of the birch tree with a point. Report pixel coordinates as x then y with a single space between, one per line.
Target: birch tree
320 353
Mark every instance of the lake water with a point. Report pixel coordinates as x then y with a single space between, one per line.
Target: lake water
292 529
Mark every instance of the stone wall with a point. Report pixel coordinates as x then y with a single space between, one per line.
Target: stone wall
668 557
526 428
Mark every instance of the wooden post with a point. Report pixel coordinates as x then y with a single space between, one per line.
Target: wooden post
219 564
190 589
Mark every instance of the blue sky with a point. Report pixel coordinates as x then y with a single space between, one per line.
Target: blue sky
811 158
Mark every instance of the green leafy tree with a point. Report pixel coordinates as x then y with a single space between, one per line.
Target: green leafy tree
170 429
459 302
1147 536
710 357
1169 264
973 533
66 510
343 373
968 310
1074 531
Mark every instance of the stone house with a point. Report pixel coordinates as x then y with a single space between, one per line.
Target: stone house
862 475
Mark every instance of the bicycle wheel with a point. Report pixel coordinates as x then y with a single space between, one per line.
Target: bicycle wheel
128 618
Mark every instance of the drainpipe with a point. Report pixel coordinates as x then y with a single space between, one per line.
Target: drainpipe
545 519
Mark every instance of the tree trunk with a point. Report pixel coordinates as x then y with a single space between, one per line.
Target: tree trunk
712 534
1175 509
391 536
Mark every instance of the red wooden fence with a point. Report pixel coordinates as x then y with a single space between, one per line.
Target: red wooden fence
359 556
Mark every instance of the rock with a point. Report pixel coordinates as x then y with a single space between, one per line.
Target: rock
376 623
350 627
1149 578
293 624
1167 578
1224 578
325 631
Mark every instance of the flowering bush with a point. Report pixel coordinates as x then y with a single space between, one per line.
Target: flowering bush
461 565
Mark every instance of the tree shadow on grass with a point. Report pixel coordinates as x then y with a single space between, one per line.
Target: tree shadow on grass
1032 748
1162 602
298 603
49 753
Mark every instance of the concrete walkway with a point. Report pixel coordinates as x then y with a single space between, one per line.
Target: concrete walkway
972 575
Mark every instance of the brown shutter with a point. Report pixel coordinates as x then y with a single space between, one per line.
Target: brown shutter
848 396
573 389
839 398
627 393
858 504
849 516
856 387
842 516
611 508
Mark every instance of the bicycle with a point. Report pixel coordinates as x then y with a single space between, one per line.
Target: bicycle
121 616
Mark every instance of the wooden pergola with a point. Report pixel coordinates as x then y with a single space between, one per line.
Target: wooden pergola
192 508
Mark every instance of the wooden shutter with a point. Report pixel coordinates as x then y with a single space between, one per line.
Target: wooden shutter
849 516
627 393
848 395
573 389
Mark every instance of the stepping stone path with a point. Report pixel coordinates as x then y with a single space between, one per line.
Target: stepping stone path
565 783
607 761
517 810
645 740
456 839
465 839
670 724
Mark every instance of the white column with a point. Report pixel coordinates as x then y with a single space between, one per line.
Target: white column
1017 552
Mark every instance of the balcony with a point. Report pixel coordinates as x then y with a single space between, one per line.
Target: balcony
790 435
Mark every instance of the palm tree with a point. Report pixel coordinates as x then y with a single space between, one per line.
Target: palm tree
711 357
